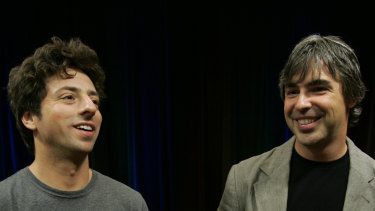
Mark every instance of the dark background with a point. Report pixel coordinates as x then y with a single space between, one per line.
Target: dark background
192 86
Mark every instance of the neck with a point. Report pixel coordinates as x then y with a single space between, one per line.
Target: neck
324 151
61 173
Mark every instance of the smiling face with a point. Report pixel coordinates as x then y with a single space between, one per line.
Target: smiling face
70 119
315 110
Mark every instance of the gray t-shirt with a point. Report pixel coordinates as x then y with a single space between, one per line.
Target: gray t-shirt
23 191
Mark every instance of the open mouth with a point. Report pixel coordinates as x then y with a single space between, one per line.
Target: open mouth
306 121
85 128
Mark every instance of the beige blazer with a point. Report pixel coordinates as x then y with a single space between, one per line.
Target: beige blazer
261 182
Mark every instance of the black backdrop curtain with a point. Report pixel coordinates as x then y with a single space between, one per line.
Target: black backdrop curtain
192 88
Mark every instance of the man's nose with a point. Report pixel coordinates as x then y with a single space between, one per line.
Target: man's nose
303 102
88 107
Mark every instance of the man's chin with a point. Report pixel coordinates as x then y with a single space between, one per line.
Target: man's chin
307 139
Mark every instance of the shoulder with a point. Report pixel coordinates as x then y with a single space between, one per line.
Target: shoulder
244 174
11 186
275 157
13 180
112 184
118 191
359 160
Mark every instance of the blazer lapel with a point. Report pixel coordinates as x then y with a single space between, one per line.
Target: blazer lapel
271 194
271 189
360 194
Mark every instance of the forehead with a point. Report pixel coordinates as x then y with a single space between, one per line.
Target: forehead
75 78
315 71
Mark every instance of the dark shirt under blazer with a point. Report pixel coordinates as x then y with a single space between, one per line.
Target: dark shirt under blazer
261 182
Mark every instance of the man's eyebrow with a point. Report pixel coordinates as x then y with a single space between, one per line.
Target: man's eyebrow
290 85
93 93
69 88
76 89
311 83
318 82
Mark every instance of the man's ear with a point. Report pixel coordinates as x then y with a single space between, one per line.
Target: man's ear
352 104
29 120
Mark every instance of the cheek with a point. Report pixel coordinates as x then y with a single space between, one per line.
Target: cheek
60 113
337 108
326 104
287 108
98 117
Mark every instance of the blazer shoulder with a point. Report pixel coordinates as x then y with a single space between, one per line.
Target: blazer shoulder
268 161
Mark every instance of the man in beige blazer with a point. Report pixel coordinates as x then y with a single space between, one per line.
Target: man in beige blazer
319 168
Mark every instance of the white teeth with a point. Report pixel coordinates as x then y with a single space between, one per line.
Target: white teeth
305 121
85 127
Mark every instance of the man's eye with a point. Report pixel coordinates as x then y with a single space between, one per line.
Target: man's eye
95 100
291 92
320 89
68 97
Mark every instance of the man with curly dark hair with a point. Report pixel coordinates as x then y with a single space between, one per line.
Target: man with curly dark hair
55 95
